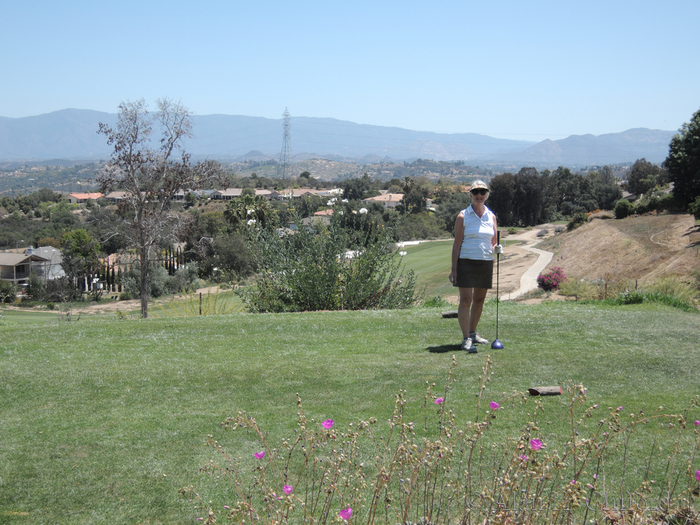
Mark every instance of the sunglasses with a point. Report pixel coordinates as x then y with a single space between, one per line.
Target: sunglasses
479 192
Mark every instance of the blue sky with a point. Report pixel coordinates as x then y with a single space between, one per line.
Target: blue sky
509 69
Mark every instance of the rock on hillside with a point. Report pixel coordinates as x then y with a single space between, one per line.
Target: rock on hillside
639 248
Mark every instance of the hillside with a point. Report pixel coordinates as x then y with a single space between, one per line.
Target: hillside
637 248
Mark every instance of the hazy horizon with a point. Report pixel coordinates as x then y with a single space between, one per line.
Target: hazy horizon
523 71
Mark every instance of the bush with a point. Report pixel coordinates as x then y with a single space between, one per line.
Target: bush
8 292
674 286
436 302
310 270
160 283
60 291
551 280
623 208
578 219
694 208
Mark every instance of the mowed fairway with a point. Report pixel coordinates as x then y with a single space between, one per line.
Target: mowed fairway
104 420
431 261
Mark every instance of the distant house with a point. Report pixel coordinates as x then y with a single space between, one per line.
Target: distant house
16 267
116 196
227 194
388 200
323 213
52 269
268 194
298 193
316 220
82 198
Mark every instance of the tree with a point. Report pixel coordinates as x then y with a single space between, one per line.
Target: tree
644 177
249 209
683 162
80 254
502 197
355 189
151 175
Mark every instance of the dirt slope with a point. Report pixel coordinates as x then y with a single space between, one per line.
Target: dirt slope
640 248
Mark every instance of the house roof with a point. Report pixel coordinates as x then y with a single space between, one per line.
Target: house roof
117 195
13 259
236 192
86 195
387 197
49 253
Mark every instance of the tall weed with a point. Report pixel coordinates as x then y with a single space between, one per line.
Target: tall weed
446 468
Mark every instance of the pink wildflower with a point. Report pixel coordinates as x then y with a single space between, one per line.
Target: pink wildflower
439 401
697 422
697 475
346 514
535 444
494 405
328 423
259 455
288 489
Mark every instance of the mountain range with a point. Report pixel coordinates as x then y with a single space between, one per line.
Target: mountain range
72 134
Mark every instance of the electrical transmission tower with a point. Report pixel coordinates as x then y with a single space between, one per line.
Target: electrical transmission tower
284 168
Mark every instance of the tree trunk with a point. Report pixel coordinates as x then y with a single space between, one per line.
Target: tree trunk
144 282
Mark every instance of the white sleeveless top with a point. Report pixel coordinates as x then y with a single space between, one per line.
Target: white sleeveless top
478 232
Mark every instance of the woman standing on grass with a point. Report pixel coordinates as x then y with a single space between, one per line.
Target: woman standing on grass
472 262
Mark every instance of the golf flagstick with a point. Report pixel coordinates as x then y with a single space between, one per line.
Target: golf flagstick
497 345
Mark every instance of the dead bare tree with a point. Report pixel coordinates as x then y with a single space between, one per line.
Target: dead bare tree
150 165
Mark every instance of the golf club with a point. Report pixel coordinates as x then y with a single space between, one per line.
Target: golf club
497 345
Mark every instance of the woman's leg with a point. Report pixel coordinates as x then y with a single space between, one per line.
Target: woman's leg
478 299
464 310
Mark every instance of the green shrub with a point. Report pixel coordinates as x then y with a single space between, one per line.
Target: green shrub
623 208
436 302
694 208
311 270
578 219
8 292
674 286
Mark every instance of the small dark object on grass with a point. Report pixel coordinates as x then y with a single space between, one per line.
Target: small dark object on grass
545 391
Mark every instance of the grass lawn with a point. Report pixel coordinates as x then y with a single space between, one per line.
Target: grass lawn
24 318
104 420
431 263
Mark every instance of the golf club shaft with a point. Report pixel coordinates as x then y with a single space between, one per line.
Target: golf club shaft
498 274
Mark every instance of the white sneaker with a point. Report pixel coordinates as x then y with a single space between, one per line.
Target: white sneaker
468 346
478 339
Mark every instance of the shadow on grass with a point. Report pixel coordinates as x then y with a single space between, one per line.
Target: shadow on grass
444 349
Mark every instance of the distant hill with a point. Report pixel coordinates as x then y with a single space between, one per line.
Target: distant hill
612 148
72 134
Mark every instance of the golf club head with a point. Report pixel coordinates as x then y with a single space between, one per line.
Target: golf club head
497 345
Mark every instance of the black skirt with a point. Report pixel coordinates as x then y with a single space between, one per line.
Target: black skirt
472 273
